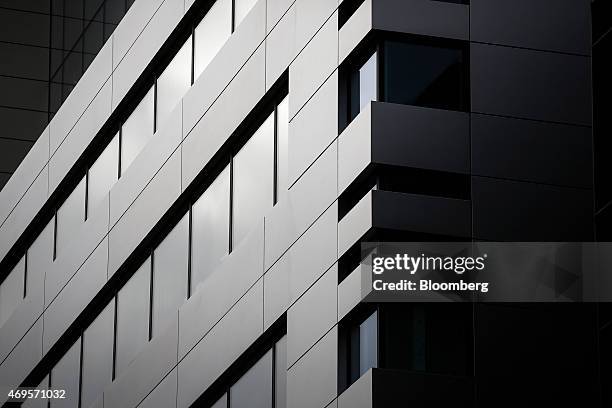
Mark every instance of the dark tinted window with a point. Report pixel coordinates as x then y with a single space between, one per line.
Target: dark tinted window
364 85
363 347
424 75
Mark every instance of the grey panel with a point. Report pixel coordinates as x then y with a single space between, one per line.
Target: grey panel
253 180
77 294
254 389
70 216
530 84
549 153
359 394
275 10
312 315
514 211
132 317
310 16
137 130
210 229
280 47
221 346
103 175
97 360
164 395
155 361
311 382
420 137
556 25
276 290
432 18
173 83
13 23
241 9
38 402
280 373
316 62
12 291
313 128
65 375
223 288
211 34
170 264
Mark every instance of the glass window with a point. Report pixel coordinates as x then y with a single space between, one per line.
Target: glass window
211 33
253 175
11 291
280 377
242 9
97 368
364 86
210 228
132 317
137 130
170 261
221 402
65 376
69 217
363 347
282 149
423 75
173 83
103 175
254 388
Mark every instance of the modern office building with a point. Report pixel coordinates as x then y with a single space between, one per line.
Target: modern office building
186 230
45 46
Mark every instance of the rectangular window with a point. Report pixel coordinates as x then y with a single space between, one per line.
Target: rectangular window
70 216
211 33
280 373
137 130
253 175
210 228
66 376
173 83
363 347
282 149
102 175
364 85
254 388
242 8
424 75
11 291
132 317
170 263
97 370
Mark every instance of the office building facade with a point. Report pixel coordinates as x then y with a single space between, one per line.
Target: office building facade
187 229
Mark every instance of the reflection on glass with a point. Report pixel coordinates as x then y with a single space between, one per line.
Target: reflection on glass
170 275
253 175
137 130
210 228
368 344
65 376
423 75
11 291
254 388
132 317
282 149
97 367
242 9
364 85
210 35
173 83
280 377
103 175
69 217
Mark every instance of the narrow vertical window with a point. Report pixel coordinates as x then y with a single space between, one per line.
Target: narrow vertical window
211 33
363 85
253 175
282 149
